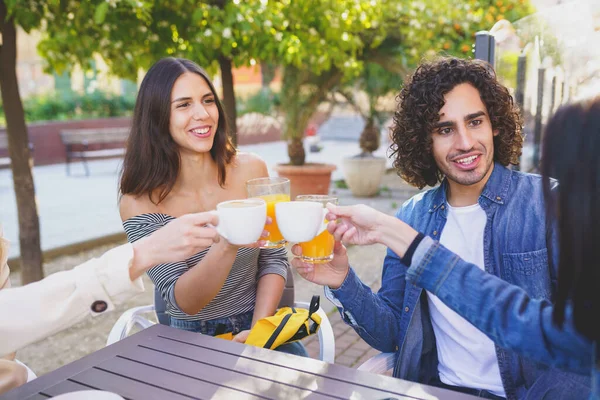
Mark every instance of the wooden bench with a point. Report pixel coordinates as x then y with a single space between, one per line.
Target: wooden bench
86 144
5 160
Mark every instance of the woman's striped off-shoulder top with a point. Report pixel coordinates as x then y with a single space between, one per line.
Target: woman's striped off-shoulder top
238 294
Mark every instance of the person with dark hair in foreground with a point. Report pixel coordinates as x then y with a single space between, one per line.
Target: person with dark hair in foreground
455 124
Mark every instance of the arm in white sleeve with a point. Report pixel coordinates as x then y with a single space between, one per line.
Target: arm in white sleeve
32 312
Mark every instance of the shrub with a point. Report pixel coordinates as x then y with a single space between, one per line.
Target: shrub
263 102
67 105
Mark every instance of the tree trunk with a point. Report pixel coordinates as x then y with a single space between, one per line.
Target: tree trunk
29 226
267 72
296 151
369 137
229 96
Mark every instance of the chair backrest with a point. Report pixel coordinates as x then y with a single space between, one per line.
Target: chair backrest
287 300
160 307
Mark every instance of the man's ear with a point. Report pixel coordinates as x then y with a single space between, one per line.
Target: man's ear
496 132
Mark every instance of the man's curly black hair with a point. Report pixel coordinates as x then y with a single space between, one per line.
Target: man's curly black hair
419 104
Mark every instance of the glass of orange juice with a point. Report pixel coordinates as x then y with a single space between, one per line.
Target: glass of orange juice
320 249
272 190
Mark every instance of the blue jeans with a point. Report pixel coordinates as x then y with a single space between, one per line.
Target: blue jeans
474 392
234 324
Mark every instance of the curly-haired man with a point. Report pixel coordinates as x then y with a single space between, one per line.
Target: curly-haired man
458 126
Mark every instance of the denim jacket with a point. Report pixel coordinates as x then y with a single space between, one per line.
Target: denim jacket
396 319
524 324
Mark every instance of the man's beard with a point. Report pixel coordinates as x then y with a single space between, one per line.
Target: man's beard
467 178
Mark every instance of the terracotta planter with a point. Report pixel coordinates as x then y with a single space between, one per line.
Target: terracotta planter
363 175
310 178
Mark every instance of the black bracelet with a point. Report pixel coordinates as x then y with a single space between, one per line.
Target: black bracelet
407 259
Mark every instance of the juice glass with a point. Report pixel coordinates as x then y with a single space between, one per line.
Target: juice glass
320 249
272 190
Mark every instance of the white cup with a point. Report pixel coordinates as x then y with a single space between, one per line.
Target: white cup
300 221
241 221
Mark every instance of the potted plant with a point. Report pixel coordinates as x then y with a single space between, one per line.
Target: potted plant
363 172
322 45
301 93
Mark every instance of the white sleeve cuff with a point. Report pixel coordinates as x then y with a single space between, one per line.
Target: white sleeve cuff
421 250
331 297
107 278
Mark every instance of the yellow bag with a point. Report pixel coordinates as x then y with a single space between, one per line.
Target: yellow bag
225 336
289 324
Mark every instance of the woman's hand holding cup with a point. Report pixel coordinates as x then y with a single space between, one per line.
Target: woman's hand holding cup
358 224
242 222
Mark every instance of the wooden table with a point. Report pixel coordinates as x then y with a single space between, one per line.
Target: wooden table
166 363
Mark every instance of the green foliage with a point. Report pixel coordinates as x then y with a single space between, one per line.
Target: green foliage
449 26
69 105
320 44
376 82
28 13
263 102
340 184
506 68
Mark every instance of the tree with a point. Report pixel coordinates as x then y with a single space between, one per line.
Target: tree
320 45
18 139
131 35
325 45
32 14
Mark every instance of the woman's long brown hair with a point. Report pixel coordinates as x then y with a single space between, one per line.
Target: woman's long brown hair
571 151
151 164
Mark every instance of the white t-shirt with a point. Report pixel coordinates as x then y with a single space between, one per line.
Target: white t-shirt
466 356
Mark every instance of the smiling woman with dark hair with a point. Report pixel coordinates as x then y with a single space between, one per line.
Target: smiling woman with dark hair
180 160
152 161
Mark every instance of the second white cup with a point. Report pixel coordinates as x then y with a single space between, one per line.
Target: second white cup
241 221
299 221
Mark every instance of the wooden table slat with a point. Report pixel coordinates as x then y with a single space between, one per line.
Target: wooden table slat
146 365
65 387
125 387
170 380
259 384
38 396
350 379
67 371
226 367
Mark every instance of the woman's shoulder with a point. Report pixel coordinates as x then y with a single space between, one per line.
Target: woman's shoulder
141 217
131 206
250 165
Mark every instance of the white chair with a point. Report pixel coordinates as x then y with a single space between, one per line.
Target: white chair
135 317
30 374
379 364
